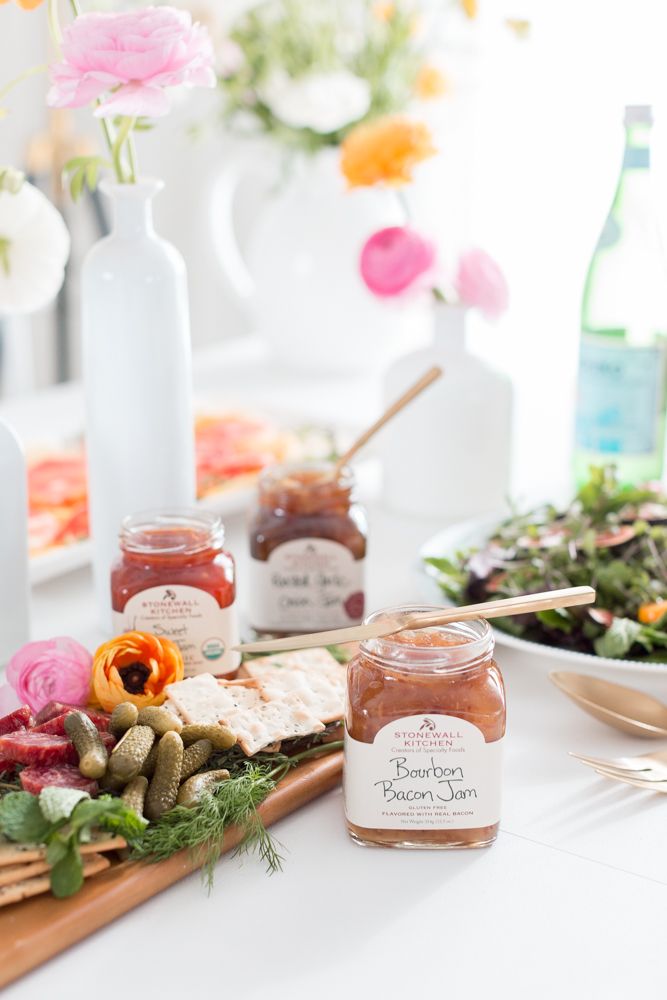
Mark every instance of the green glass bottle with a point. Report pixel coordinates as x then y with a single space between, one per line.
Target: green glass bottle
622 386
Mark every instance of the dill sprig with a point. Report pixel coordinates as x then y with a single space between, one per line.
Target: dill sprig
231 803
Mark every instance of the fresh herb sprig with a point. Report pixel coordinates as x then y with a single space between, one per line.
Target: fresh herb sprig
231 803
62 819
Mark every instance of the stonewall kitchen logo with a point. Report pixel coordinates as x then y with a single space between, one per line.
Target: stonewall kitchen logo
428 735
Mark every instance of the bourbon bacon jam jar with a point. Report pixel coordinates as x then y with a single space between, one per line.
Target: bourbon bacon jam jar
308 549
424 727
174 578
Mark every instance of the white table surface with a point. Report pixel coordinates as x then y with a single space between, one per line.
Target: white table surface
570 902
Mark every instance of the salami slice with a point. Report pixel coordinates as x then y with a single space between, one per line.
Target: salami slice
55 708
28 747
56 726
34 779
20 719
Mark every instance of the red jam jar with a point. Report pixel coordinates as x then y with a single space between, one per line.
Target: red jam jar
424 728
174 578
308 550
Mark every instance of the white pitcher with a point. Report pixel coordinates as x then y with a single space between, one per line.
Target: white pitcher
14 586
300 275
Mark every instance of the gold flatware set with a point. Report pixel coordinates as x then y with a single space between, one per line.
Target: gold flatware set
632 712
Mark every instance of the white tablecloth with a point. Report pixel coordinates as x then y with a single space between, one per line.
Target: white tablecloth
569 902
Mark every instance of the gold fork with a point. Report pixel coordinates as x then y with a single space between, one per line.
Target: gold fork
645 771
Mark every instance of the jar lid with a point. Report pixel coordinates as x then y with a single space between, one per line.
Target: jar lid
452 648
172 531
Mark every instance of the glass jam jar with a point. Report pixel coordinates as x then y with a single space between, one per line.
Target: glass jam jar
173 578
308 549
424 726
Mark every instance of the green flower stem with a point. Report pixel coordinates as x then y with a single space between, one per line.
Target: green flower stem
403 202
5 244
33 71
54 23
132 156
122 137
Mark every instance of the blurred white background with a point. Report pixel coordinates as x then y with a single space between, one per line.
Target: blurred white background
530 138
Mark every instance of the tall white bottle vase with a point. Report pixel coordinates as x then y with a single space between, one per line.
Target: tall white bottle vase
137 376
448 455
14 584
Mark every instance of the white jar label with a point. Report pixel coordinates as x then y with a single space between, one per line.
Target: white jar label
423 772
307 585
190 617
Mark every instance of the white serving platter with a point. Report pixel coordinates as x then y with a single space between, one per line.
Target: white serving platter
473 534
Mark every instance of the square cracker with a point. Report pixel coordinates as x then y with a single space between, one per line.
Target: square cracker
202 699
256 721
14 854
314 674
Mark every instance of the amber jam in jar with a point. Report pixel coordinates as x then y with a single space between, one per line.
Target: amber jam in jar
425 719
173 578
308 547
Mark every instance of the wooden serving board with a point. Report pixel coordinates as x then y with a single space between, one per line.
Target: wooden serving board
36 929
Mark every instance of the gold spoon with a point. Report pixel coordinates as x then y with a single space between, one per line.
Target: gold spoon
625 708
524 604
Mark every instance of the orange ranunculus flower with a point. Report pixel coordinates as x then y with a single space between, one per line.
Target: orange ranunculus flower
469 8
135 667
383 11
430 82
385 151
26 4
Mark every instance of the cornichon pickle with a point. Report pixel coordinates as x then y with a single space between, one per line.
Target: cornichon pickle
122 717
220 736
161 720
191 791
194 756
128 756
148 766
92 753
163 789
135 794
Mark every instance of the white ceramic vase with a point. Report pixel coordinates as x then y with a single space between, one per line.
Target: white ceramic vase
299 275
448 455
14 585
137 376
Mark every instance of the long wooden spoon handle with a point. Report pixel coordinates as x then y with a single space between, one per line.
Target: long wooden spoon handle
427 378
525 604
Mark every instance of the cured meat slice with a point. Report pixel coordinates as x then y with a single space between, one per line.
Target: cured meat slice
6 765
54 708
34 779
20 719
56 726
28 747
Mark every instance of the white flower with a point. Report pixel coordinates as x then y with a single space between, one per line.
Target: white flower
34 247
323 102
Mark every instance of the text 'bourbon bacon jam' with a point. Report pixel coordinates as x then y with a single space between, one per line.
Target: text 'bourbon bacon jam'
174 578
308 549
425 721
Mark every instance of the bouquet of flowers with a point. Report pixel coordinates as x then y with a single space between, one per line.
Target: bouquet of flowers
305 73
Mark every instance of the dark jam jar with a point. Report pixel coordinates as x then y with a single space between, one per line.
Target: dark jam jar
174 578
308 550
424 727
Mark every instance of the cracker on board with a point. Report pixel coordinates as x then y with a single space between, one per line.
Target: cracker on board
201 699
12 854
314 674
92 864
257 723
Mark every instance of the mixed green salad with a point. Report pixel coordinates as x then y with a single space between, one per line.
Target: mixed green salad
610 537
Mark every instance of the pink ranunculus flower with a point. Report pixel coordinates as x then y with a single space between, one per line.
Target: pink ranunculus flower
134 55
396 260
480 284
51 670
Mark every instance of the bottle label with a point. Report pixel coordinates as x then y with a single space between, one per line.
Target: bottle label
190 617
423 772
307 585
619 397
